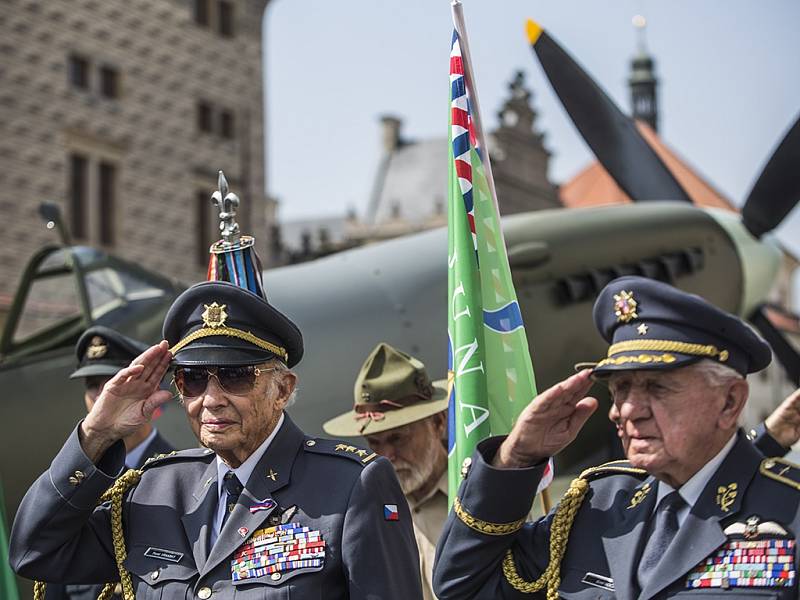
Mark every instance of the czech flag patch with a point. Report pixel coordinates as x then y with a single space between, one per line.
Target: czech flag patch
390 512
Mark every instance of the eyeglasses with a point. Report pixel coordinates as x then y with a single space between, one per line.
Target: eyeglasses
193 381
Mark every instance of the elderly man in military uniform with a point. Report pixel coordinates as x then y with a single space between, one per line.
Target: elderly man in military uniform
102 352
694 510
402 415
261 511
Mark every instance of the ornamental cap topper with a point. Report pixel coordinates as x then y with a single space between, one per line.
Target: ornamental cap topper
233 258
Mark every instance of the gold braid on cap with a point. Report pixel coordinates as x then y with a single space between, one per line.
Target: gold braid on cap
669 346
559 533
234 333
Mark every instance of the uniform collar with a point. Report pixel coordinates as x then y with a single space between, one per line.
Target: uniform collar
691 490
134 458
246 469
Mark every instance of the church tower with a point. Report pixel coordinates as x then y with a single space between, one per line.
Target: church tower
642 81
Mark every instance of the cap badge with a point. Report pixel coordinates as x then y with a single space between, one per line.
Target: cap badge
97 348
214 315
625 306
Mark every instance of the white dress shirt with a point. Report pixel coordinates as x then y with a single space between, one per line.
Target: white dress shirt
691 490
134 457
243 473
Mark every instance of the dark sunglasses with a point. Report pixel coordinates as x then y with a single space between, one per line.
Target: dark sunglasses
239 381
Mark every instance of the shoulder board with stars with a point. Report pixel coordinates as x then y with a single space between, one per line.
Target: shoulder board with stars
363 456
176 455
781 470
615 467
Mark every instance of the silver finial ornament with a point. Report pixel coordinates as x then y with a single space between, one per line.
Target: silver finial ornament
226 202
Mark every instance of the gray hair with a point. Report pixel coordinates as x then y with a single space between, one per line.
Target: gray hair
717 374
280 367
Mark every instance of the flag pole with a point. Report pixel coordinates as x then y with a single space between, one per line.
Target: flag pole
458 20
460 25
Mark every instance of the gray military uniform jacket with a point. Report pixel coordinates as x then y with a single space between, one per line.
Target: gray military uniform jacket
86 591
604 541
335 491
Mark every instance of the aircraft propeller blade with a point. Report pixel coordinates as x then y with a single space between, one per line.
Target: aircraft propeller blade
783 350
611 135
777 189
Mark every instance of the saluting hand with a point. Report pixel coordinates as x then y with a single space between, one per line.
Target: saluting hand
548 424
784 423
127 401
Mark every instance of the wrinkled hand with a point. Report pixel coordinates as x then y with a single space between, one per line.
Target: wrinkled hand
548 424
126 402
784 423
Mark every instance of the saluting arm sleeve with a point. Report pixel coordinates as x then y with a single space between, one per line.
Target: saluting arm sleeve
378 550
486 521
765 443
60 534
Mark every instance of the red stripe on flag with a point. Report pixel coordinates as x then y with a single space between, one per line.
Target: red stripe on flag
460 117
464 170
471 220
456 65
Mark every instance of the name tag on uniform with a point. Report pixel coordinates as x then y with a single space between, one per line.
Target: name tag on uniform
598 581
169 555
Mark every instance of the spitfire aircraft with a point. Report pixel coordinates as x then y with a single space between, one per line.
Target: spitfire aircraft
396 290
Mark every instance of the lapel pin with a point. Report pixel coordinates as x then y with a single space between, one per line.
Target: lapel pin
272 475
243 531
639 496
726 496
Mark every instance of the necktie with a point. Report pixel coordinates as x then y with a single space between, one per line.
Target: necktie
662 530
233 488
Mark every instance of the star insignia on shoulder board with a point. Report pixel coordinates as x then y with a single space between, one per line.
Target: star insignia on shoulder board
625 306
214 315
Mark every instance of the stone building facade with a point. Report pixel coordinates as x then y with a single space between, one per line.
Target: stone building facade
122 113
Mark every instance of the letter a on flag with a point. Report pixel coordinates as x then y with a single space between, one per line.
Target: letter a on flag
490 374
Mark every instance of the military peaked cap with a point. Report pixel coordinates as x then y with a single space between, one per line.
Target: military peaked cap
102 352
652 325
218 323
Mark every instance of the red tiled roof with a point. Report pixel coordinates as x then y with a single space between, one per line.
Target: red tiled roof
594 186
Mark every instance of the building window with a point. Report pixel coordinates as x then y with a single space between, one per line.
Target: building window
203 227
225 18
78 71
109 82
226 124
204 117
107 187
78 167
201 12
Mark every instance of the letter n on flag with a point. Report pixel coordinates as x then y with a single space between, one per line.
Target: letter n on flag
489 366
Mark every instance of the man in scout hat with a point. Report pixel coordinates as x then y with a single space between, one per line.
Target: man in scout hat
102 353
261 511
694 506
402 415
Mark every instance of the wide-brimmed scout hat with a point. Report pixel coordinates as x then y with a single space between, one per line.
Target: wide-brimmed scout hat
392 389
651 325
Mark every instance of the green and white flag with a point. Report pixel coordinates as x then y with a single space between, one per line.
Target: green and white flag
489 366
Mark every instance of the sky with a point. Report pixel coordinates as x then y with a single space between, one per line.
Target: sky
729 74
